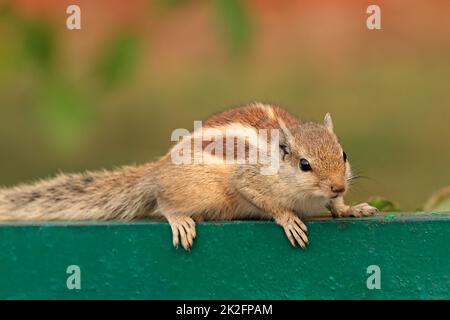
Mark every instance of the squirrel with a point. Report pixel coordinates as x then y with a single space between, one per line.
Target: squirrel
313 174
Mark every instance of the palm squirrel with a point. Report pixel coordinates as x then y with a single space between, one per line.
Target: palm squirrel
313 173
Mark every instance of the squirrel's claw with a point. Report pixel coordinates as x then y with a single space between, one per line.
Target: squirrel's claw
295 230
183 229
362 209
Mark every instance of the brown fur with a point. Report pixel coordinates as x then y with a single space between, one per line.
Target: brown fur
254 115
184 193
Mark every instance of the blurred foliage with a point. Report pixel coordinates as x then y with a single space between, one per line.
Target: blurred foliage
5 10
37 36
39 42
119 59
439 201
234 19
64 115
171 4
383 205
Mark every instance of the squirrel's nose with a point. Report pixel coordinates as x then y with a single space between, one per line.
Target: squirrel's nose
338 188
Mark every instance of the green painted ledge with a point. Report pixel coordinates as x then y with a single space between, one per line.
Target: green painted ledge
231 260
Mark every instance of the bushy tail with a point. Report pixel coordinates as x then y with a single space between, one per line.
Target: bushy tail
126 193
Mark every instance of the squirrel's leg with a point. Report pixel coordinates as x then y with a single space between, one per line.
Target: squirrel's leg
181 223
183 229
294 228
339 209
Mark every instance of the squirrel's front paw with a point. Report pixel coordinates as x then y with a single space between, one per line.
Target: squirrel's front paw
362 209
295 230
183 228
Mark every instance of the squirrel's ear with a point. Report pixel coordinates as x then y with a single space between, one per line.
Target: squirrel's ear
328 122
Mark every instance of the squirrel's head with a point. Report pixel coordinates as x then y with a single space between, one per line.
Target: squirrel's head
314 160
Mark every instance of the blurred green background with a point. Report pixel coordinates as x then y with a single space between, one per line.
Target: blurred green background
111 93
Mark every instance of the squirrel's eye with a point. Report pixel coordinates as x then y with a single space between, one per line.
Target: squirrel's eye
304 165
345 157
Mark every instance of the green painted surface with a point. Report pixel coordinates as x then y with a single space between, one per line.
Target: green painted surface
233 260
